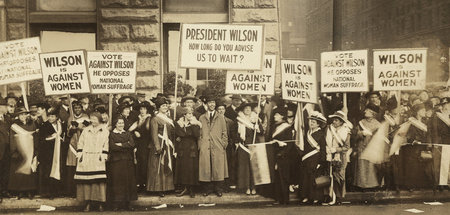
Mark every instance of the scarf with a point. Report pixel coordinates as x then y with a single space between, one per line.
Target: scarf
335 138
55 171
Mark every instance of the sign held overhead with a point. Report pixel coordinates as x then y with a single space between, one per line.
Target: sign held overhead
344 71
299 81
64 72
215 46
19 60
398 69
112 72
253 83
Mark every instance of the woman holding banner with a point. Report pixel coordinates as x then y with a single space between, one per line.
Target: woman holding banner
338 145
248 124
365 172
161 150
23 143
314 159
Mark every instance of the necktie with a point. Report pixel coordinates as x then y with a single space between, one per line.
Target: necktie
211 115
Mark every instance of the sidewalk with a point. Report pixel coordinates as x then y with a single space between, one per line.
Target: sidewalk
231 199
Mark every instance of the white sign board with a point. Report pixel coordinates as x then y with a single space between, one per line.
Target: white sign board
19 60
344 71
398 69
215 46
64 73
253 82
299 80
112 72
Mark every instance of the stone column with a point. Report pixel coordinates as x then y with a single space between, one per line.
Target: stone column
16 27
134 25
261 12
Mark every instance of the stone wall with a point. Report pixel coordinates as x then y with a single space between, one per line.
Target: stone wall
263 12
16 27
133 25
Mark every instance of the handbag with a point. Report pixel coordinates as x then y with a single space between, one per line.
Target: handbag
322 181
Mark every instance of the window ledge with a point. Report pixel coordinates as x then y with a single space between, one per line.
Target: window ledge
195 17
63 17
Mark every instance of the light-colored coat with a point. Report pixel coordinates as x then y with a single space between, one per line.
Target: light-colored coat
212 144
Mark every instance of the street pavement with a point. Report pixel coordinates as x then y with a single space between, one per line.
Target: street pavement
345 209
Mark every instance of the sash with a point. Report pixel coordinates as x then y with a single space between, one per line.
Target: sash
390 119
244 148
336 136
170 148
23 140
418 124
165 118
242 125
55 171
444 119
19 130
311 140
280 129
365 128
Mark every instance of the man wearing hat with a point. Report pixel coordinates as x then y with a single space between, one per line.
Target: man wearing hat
200 110
4 149
187 101
374 98
212 143
63 110
230 111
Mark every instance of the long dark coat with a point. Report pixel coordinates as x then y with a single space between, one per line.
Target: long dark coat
212 145
186 172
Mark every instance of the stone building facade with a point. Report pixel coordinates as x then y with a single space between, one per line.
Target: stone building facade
136 25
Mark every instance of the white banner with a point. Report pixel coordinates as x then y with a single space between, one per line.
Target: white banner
220 46
64 73
344 71
299 80
112 72
253 82
19 60
398 69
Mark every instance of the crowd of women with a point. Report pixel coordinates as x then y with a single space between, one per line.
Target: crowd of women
202 145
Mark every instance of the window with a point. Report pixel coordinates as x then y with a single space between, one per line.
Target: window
215 6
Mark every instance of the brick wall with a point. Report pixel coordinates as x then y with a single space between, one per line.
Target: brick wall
133 25
261 12
16 19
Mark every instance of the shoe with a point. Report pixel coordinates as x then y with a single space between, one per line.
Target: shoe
182 193
291 188
305 200
232 187
161 194
207 193
100 208
218 194
253 192
129 208
87 208
248 192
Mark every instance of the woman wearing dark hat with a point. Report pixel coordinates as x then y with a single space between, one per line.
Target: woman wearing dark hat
365 172
124 111
161 150
281 135
23 144
314 159
187 129
248 121
49 145
142 137
120 167
416 159
92 153
338 147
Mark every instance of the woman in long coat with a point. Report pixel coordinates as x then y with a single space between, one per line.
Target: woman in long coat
187 129
92 153
366 175
142 138
120 167
23 183
281 136
161 151
338 147
247 122
314 159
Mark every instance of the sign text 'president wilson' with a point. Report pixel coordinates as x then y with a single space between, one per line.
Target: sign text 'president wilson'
64 73
232 47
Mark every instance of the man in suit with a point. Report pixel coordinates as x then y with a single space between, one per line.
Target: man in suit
230 111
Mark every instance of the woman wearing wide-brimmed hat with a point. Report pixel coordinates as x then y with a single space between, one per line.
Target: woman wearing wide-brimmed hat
314 159
161 150
338 148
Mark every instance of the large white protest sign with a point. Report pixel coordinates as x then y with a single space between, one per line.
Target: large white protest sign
112 72
344 71
298 78
399 69
64 73
215 46
19 60
253 82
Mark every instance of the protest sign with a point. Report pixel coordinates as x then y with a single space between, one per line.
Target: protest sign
64 72
344 71
112 72
19 60
253 82
298 78
399 69
215 46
